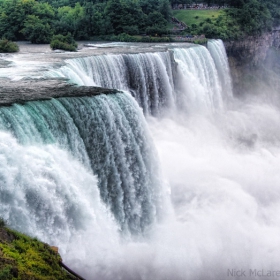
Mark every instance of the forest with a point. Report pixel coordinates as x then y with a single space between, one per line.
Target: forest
39 20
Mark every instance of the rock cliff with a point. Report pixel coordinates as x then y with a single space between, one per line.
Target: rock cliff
250 58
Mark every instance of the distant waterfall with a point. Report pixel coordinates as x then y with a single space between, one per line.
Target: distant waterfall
106 134
199 84
189 77
218 52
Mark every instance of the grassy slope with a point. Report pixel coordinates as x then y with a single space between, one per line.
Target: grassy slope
189 16
25 258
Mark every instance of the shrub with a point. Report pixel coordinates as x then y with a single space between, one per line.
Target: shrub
62 42
36 30
7 46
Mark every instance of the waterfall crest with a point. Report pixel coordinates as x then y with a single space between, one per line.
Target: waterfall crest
147 76
189 77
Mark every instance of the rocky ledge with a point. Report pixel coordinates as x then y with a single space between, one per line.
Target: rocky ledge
28 90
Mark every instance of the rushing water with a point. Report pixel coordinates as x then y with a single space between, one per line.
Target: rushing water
192 195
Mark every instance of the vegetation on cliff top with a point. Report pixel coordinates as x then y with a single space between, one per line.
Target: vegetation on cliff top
22 257
241 18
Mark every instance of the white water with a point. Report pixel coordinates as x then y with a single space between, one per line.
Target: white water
148 76
46 193
222 170
221 185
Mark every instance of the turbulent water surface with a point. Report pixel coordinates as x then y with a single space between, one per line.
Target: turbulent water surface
191 191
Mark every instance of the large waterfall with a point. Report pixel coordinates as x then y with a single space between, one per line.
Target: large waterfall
159 80
187 190
106 133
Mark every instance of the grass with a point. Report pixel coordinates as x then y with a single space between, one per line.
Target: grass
190 17
26 258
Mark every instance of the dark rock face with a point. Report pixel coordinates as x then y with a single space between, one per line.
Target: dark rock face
248 58
253 49
6 236
28 90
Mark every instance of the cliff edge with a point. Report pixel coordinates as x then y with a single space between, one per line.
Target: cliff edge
253 59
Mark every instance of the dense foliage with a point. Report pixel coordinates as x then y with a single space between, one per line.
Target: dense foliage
22 257
7 46
39 20
241 18
62 42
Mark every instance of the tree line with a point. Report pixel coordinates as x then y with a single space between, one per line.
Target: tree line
241 18
38 21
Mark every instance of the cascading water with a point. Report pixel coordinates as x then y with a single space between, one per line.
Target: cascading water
76 172
147 76
218 52
106 133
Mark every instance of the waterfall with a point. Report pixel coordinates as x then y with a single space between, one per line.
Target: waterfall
186 77
200 84
187 190
105 135
147 76
218 52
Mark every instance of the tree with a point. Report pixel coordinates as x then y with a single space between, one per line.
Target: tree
165 9
95 21
156 18
70 20
36 30
13 14
255 17
123 14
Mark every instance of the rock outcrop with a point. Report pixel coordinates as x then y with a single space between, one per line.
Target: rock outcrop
28 90
247 57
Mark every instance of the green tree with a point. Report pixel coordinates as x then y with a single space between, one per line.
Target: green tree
36 30
13 14
156 18
70 20
165 9
96 21
254 17
123 14
149 6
